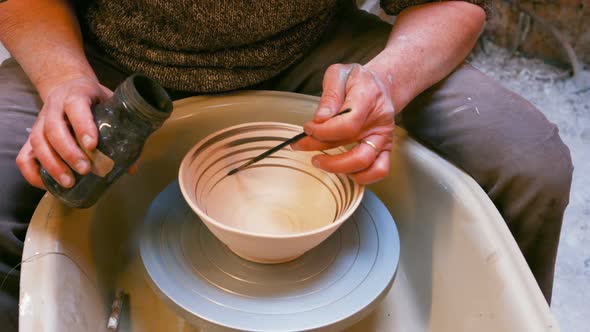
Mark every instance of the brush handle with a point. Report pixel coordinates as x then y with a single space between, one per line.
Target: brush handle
273 150
276 148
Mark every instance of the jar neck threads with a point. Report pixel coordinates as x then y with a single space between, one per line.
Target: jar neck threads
146 98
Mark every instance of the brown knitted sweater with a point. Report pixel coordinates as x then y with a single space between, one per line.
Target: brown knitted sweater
210 45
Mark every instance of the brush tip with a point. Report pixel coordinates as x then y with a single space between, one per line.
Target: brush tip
232 172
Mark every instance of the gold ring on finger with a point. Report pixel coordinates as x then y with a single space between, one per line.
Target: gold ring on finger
371 144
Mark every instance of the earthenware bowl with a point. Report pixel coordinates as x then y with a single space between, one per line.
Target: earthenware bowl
273 211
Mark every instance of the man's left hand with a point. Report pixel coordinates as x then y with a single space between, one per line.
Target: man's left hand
370 124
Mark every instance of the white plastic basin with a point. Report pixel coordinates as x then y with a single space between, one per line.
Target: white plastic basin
460 269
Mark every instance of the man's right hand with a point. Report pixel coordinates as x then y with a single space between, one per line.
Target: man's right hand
51 142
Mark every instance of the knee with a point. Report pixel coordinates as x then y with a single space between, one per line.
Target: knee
546 172
559 180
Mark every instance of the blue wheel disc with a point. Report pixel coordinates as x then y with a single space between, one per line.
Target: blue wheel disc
330 287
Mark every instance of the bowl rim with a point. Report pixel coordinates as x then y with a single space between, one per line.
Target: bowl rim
207 219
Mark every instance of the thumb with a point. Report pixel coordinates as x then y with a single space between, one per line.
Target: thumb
334 91
106 92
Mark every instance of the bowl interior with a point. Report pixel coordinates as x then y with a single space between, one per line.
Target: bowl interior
283 194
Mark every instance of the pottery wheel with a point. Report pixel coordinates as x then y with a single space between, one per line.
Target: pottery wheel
330 287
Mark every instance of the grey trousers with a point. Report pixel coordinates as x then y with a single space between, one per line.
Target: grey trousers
496 136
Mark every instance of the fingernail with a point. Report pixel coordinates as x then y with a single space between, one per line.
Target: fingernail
87 141
82 166
65 180
315 162
323 112
307 130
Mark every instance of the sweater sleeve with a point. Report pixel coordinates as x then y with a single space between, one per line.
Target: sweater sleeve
394 7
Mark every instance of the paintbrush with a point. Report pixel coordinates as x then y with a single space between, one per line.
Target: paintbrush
275 149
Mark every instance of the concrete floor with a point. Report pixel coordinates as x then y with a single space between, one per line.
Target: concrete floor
556 97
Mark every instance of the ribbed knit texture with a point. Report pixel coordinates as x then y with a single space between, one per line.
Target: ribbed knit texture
206 46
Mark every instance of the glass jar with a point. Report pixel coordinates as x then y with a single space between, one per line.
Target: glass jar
138 107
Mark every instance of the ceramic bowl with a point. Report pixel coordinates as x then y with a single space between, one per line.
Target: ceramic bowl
274 210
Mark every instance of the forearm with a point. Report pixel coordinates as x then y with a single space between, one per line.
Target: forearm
44 37
425 45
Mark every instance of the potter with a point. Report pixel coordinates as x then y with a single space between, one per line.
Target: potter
70 55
